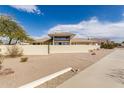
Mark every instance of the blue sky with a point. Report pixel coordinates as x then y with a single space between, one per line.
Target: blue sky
85 21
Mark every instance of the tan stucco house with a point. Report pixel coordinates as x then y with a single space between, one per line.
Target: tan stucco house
66 38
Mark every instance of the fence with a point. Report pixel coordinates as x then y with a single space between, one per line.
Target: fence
45 49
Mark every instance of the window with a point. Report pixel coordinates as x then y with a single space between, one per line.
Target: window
61 43
61 38
65 43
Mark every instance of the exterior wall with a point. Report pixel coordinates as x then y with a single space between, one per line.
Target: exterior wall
43 49
35 50
72 48
28 49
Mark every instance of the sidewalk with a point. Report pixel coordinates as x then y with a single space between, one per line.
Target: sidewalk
107 73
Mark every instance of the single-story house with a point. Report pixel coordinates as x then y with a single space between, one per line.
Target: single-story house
66 38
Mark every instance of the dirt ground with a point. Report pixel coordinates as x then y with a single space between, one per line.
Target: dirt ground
39 66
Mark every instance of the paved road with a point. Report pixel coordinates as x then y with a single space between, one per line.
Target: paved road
106 73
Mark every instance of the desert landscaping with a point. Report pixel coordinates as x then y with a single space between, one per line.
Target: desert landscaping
39 66
54 59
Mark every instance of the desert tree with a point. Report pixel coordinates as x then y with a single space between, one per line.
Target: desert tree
12 30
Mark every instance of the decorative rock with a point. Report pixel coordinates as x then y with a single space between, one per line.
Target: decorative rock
75 70
24 59
93 53
90 50
6 71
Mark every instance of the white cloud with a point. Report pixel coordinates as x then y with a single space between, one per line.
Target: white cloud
93 28
122 14
40 37
27 8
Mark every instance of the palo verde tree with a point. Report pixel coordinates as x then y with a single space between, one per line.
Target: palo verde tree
10 29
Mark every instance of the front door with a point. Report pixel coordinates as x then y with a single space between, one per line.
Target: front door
60 43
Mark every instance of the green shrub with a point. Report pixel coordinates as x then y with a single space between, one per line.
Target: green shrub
108 45
14 51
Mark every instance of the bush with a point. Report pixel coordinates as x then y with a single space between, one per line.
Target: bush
1 60
24 59
6 71
14 51
108 45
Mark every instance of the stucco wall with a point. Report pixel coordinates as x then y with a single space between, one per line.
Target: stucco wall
72 48
28 49
35 49
43 49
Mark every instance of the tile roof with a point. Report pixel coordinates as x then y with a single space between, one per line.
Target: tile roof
61 34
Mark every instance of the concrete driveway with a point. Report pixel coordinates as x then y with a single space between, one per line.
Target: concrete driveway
106 73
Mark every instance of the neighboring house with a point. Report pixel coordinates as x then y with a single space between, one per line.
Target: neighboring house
66 38
122 43
43 41
82 41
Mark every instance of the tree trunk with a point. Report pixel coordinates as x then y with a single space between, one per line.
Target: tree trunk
10 41
16 40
